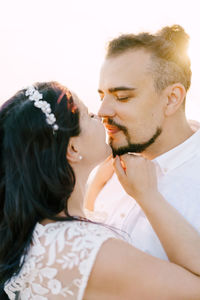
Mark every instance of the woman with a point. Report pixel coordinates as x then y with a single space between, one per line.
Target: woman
48 250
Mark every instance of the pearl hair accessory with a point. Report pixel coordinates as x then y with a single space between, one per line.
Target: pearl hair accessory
80 157
36 96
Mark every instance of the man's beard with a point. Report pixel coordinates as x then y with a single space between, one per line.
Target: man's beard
131 147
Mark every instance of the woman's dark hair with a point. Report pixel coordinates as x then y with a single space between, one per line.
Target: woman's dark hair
35 177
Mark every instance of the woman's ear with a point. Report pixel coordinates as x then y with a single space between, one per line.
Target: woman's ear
73 155
175 94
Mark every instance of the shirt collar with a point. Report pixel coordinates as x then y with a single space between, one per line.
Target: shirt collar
180 154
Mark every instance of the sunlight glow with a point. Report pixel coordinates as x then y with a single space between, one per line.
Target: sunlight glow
64 40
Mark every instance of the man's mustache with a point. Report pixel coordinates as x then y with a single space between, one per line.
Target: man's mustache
112 122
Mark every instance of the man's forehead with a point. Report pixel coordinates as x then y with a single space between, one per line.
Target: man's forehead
130 56
124 69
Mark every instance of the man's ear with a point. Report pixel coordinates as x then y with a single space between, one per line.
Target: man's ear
175 95
73 155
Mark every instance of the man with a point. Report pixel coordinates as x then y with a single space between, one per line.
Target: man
143 86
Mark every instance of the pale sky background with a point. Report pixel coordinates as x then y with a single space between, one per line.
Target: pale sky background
64 40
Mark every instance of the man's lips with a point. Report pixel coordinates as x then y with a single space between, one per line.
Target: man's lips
111 129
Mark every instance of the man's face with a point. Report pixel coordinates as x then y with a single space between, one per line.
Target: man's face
132 110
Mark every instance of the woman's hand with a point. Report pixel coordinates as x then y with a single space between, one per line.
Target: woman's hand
137 175
105 171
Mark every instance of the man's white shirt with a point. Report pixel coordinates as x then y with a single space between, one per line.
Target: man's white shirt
178 172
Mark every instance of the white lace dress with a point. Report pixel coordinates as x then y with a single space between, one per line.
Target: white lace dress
59 262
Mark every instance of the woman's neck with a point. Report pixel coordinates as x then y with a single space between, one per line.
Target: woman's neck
75 203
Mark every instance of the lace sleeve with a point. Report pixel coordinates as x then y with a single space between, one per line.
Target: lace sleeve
60 262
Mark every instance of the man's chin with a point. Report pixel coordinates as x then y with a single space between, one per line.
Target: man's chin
135 148
116 144
120 149
123 150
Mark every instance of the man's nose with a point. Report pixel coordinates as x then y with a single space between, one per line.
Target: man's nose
96 117
106 109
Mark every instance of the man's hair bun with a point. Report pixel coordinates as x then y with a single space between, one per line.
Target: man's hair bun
177 35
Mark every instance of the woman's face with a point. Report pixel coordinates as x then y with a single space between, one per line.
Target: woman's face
93 147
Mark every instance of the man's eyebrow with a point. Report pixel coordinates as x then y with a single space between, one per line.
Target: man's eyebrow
100 91
119 88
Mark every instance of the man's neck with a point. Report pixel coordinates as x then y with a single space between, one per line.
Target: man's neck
174 133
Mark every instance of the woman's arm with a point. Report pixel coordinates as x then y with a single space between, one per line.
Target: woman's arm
102 175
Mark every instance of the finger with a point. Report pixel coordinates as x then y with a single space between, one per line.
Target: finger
123 164
125 160
131 157
118 167
110 161
109 158
132 163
